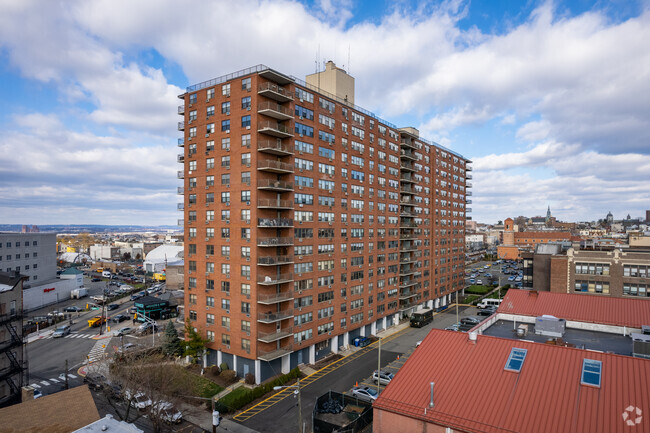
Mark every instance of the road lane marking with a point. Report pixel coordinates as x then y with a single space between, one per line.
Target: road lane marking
45 382
72 376
33 385
54 380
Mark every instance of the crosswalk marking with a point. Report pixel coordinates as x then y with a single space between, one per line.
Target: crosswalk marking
54 380
45 382
34 385
72 376
97 352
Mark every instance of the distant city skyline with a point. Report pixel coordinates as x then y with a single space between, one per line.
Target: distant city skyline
548 99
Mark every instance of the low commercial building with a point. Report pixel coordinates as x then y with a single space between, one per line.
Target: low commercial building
584 380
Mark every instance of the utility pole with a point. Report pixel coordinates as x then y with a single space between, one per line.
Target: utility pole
379 365
300 428
65 373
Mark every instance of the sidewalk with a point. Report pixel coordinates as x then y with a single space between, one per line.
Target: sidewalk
203 418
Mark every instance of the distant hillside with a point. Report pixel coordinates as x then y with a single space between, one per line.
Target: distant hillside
91 228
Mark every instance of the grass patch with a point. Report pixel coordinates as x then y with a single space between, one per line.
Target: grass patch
478 290
197 385
471 298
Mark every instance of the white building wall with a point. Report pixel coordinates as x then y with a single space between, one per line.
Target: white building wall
43 295
31 254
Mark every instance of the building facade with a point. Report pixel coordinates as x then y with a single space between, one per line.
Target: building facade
31 254
12 367
309 221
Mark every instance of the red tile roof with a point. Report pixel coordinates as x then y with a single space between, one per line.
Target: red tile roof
630 312
474 393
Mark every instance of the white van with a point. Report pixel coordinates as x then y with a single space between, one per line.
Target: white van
106 274
489 303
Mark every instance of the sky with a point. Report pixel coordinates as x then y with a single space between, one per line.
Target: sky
550 100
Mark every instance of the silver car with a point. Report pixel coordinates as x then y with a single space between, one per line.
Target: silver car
61 331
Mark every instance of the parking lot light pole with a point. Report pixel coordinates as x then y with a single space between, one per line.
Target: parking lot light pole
378 365
296 392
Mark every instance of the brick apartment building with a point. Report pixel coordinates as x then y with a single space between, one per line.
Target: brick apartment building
308 220
514 242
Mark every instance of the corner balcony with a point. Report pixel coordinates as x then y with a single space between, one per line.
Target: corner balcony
468 168
181 109
270 355
275 110
272 166
274 260
180 190
407 154
272 203
407 166
468 201
180 159
270 337
468 184
274 242
274 222
408 225
404 178
468 193
274 185
406 201
180 206
275 92
274 129
180 174
181 126
181 223
468 176
181 142
468 209
274 298
408 144
270 280
274 147
272 317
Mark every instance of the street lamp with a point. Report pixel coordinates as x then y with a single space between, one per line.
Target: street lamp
296 391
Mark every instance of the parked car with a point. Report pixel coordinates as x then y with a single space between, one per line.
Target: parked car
133 310
453 327
146 328
124 331
119 318
72 309
113 283
167 412
138 400
125 347
470 321
96 280
383 377
365 393
112 307
95 381
479 282
61 331
487 311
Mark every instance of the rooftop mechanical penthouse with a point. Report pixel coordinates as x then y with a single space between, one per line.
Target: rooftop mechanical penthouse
308 220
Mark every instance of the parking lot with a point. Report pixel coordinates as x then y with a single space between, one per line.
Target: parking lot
493 274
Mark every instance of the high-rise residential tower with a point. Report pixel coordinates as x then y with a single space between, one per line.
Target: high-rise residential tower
308 220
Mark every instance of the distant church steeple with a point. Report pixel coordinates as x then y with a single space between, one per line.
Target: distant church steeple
548 214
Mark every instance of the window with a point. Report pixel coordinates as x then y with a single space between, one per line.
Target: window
246 102
246 122
246 84
209 94
516 359
209 128
246 307
225 90
246 178
225 125
246 159
193 98
225 161
591 372
246 140
225 108
225 143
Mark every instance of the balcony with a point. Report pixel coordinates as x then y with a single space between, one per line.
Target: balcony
408 144
270 355
468 193
181 142
180 206
274 185
270 280
180 159
275 92
407 247
274 242
274 166
468 176
468 184
275 129
181 223
407 154
275 222
180 190
406 178
468 201
407 214
180 174
407 236
406 201
272 203
409 259
406 190
406 166
275 110
468 209
406 295
181 109
274 260
274 298
407 282
407 224
181 126
468 168
270 337
274 147
407 270
272 317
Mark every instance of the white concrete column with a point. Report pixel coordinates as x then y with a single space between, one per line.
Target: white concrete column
234 362
258 371
219 357
286 364
430 304
437 303
346 339
384 324
373 328
312 354
362 331
205 360
334 346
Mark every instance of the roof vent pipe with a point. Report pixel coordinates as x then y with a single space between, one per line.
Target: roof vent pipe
431 402
472 336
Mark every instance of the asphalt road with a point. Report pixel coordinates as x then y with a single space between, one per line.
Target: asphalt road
283 415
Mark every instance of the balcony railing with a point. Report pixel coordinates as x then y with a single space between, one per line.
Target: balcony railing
407 202
275 110
273 91
181 222
468 193
180 174
405 213
274 298
468 184
408 236
181 126
181 142
274 242
274 185
407 190
406 178
468 168
274 260
181 109
270 355
275 166
409 144
271 203
180 158
180 190
407 166
468 176
468 209
468 201
180 206
268 280
275 222
274 147
275 129
272 317
407 224
270 337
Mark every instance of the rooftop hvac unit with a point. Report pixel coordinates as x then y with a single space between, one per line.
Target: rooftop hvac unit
641 345
550 326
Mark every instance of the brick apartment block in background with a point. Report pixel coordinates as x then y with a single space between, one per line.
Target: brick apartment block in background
308 220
